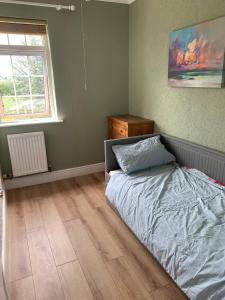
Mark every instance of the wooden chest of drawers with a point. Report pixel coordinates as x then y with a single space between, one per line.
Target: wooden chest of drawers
127 125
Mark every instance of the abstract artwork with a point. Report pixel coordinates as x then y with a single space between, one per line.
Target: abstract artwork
196 55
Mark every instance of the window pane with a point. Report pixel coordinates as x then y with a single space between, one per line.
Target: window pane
24 105
37 86
20 65
9 105
22 86
39 104
3 39
5 66
6 87
17 39
24 90
34 40
36 65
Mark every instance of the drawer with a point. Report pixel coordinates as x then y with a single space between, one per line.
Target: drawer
120 130
117 131
141 129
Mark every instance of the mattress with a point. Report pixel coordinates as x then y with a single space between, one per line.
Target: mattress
114 172
179 215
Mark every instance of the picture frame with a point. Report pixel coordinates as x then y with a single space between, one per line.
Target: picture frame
196 55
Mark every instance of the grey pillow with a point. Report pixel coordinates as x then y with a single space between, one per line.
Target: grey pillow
142 155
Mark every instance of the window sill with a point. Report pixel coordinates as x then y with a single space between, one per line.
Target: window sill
33 122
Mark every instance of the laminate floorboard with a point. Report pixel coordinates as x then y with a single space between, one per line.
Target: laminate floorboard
22 289
66 243
18 256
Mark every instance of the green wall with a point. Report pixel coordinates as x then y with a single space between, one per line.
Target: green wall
79 139
195 114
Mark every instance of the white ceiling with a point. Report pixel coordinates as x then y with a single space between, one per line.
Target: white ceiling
119 1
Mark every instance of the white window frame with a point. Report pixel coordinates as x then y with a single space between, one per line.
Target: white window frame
44 51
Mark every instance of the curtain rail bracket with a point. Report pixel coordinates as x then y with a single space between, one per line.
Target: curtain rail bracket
47 5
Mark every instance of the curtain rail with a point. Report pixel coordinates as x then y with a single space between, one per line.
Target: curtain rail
57 7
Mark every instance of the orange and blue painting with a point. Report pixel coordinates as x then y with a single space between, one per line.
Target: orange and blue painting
196 55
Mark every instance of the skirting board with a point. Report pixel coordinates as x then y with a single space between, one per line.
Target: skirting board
53 176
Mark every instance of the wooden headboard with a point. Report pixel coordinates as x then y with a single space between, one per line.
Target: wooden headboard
207 160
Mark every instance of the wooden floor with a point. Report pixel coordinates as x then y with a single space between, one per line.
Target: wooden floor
67 243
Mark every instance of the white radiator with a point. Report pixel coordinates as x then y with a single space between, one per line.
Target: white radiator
27 153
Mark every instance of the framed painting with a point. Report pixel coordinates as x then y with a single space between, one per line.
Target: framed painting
196 55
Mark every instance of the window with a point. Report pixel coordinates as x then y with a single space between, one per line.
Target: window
26 83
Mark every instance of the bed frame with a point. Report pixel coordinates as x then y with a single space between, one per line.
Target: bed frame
207 160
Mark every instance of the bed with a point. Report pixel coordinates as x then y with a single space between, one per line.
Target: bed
177 212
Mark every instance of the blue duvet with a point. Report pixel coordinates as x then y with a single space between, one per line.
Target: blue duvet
179 215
